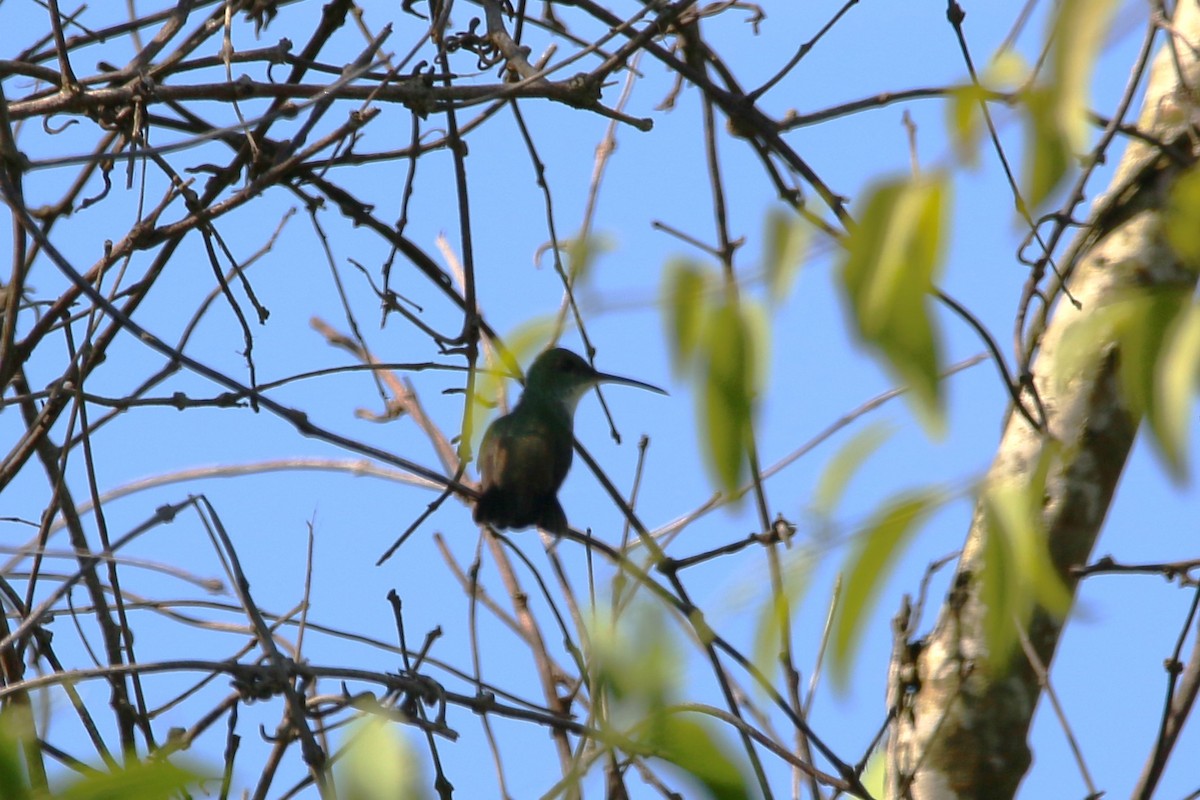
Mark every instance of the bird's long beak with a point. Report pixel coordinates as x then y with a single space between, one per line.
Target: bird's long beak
604 377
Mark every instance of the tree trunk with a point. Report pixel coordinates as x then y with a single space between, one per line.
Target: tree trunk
962 719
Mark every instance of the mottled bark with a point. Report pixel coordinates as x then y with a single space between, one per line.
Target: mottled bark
962 719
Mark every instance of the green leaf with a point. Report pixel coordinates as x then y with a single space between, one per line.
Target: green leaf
843 466
15 727
530 338
582 253
1007 71
892 259
966 122
704 634
1180 222
768 631
1078 32
799 565
730 387
786 240
1176 379
1058 121
686 287
1158 336
874 775
1018 574
1083 344
999 592
636 667
878 550
379 764
145 780
1048 146
1138 322
636 661
698 751
1142 324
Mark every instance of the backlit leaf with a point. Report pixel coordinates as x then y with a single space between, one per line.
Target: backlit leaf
1048 147
875 774
379 764
1079 29
877 552
1138 323
1057 111
1177 377
893 256
16 723
1182 220
1141 330
966 122
699 752
145 780
686 287
582 254
729 391
778 606
1018 574
636 662
1007 71
843 466
786 239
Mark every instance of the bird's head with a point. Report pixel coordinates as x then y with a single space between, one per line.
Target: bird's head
561 376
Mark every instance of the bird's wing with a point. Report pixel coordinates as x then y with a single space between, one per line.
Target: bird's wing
522 464
492 458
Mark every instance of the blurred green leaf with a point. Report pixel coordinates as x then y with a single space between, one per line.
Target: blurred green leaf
874 774
1078 30
686 288
1018 574
1138 322
768 626
637 661
1057 111
379 764
1176 380
529 339
1048 147
1155 330
999 587
698 751
15 720
768 632
1007 71
843 466
1082 346
729 390
700 627
893 257
966 122
1182 219
1142 322
582 254
877 551
144 780
637 668
786 240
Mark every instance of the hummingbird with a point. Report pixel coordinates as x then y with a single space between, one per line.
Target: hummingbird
525 454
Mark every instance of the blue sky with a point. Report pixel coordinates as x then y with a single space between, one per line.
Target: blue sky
1108 670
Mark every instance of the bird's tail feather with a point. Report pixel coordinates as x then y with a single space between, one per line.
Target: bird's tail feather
502 509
